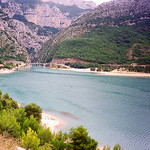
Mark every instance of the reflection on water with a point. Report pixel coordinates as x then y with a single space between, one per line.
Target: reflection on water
114 109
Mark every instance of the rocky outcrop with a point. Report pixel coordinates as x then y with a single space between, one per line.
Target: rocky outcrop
80 3
44 15
20 36
57 14
10 47
35 21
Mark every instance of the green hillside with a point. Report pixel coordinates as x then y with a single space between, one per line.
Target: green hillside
114 33
106 45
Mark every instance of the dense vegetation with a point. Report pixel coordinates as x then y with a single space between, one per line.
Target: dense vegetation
107 68
107 45
8 52
24 125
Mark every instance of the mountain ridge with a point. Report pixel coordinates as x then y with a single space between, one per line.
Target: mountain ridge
125 20
33 22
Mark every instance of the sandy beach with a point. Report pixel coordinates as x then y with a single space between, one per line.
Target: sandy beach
126 74
51 121
76 70
112 73
6 71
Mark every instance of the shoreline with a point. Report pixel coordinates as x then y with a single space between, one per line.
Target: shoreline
122 74
8 71
125 74
51 121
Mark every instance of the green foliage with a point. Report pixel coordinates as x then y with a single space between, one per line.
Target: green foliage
9 124
46 147
1 61
30 122
7 102
35 136
30 140
6 96
104 46
59 141
20 115
45 135
81 65
81 140
0 94
8 52
106 147
117 147
35 110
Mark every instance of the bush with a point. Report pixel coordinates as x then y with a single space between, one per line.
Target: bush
32 123
46 147
6 96
60 141
81 140
9 124
45 135
30 140
35 110
20 115
117 147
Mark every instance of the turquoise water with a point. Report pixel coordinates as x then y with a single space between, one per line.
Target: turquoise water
113 109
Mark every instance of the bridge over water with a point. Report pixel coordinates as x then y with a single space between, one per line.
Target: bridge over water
39 64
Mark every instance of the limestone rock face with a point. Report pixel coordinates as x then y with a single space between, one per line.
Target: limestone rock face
80 3
32 22
44 15
52 13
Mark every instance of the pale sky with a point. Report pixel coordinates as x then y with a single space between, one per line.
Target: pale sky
99 1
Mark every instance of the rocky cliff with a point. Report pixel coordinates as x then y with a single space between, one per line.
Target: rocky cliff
32 22
108 34
57 14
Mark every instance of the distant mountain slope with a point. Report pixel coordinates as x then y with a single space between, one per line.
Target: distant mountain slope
114 32
32 22
25 37
57 14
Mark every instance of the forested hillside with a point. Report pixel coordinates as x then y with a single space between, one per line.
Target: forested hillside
116 32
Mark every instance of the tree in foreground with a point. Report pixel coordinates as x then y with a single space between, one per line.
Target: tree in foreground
117 147
30 140
35 110
81 140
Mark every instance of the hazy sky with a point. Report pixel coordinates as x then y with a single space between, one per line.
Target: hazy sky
99 1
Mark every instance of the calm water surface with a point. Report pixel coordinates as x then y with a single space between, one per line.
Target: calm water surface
113 109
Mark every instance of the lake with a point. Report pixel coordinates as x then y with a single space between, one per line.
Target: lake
113 109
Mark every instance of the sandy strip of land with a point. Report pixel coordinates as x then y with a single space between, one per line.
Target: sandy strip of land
6 71
124 73
76 70
50 121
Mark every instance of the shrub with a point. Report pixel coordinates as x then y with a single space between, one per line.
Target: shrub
81 140
9 124
46 147
35 110
20 115
45 135
30 122
6 96
60 141
30 140
117 147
